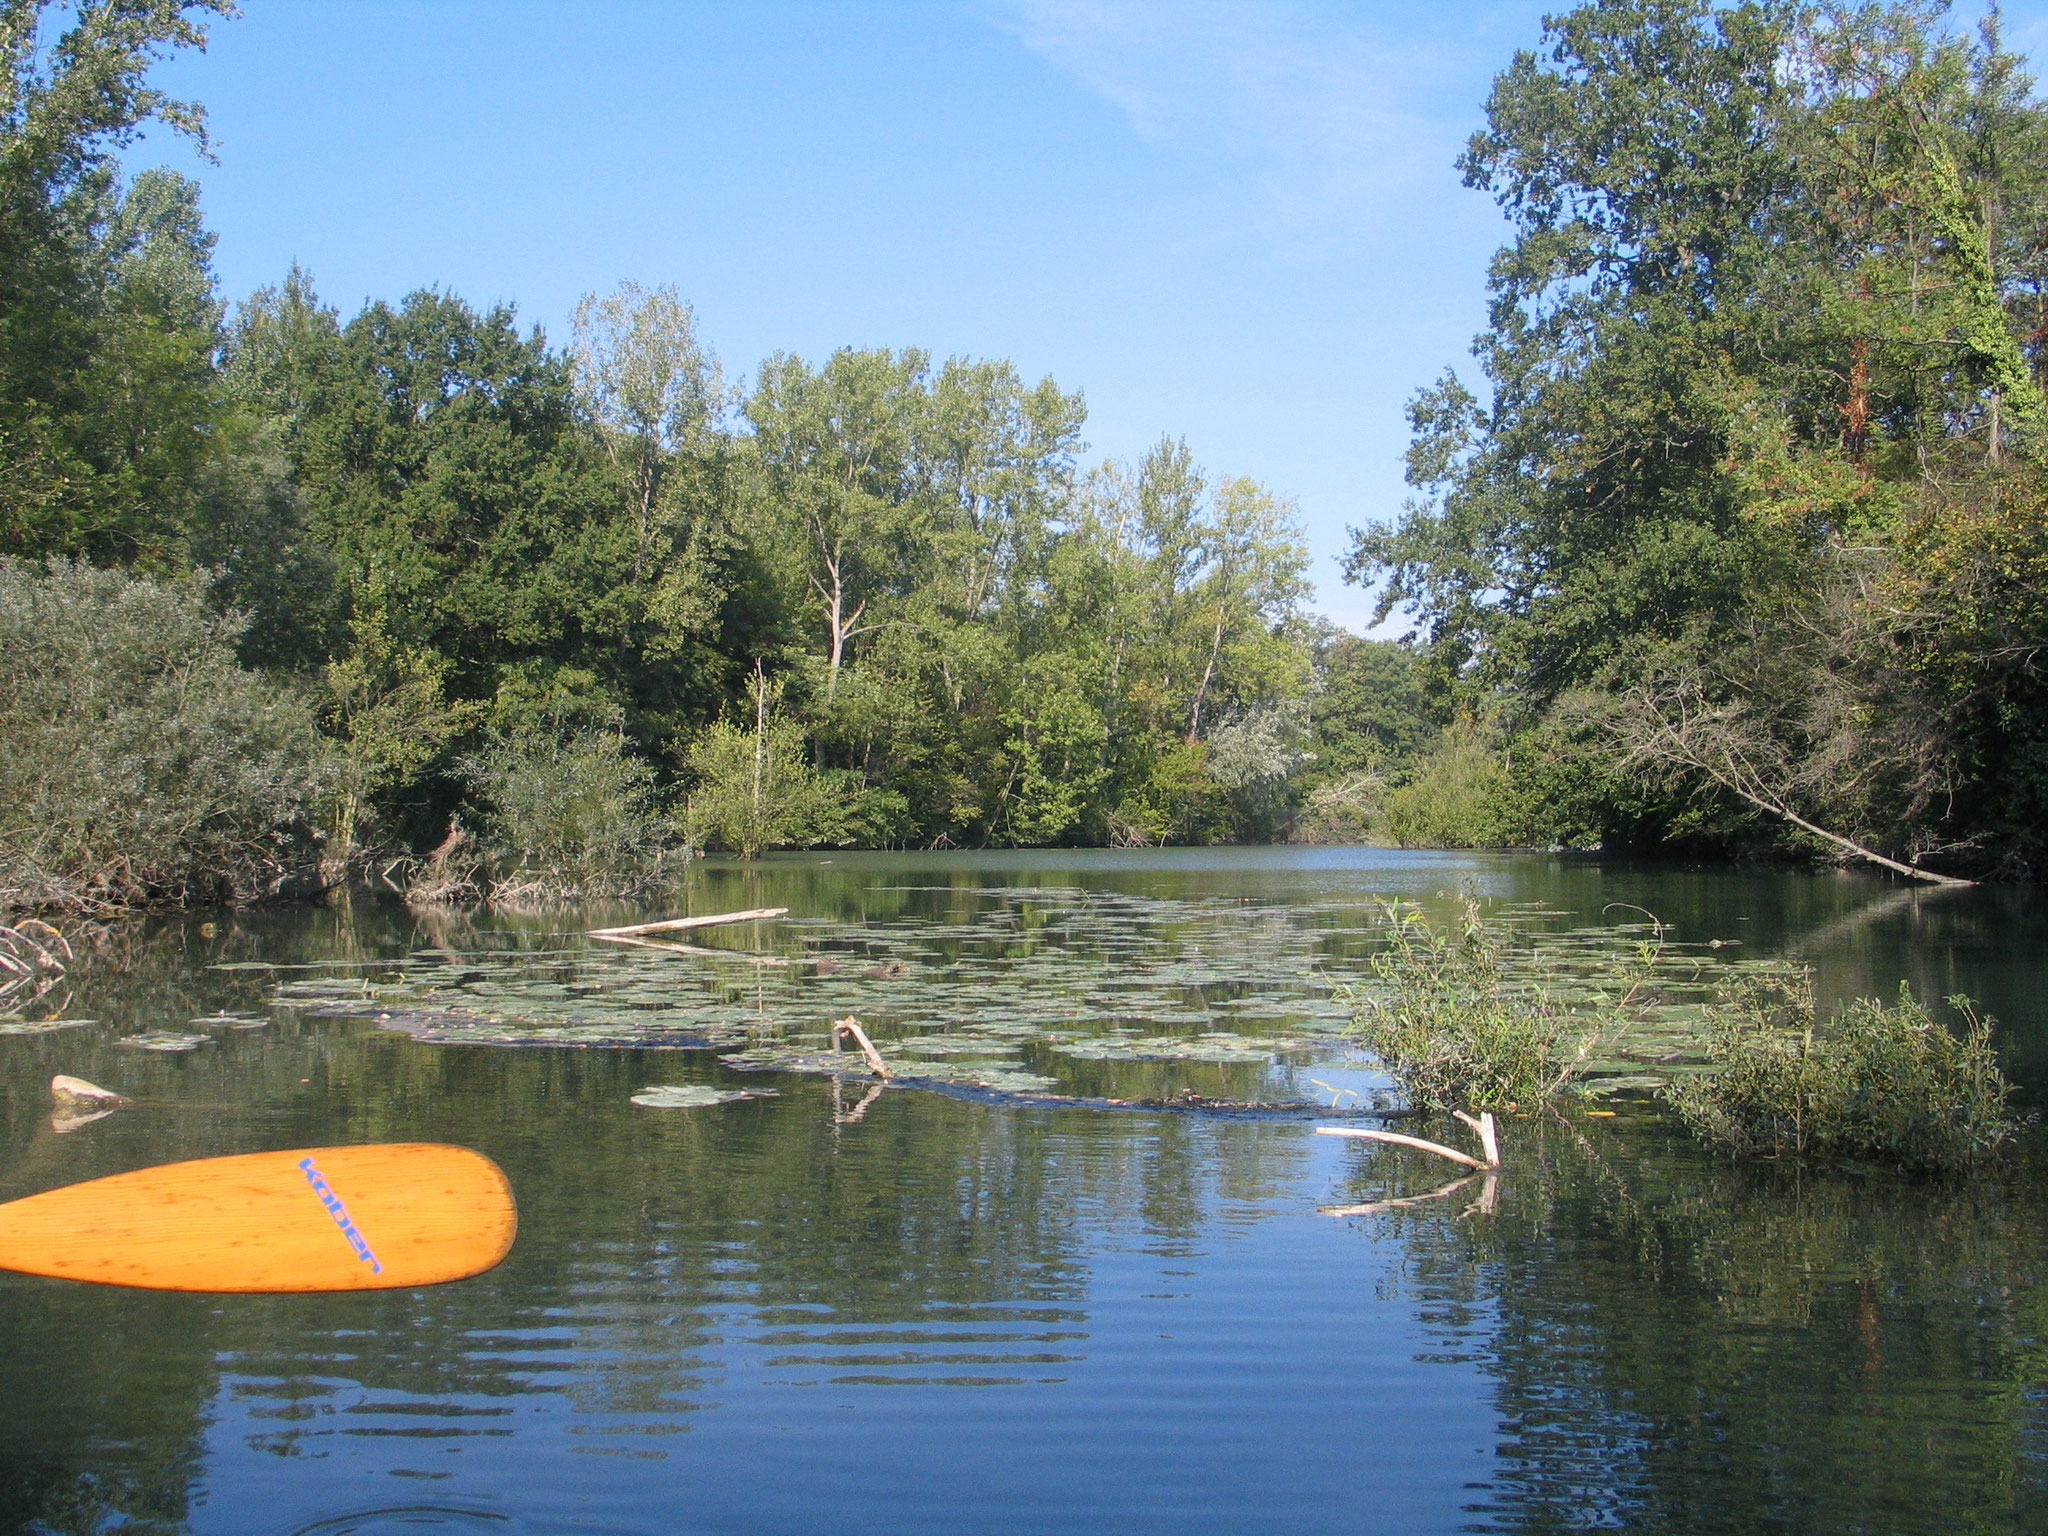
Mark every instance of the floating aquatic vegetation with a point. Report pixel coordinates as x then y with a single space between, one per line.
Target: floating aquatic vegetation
948 1045
696 1096
225 1020
1001 1076
1075 981
165 1041
789 1058
1217 1048
435 1027
41 1026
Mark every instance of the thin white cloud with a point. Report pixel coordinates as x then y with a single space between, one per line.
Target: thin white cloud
1329 115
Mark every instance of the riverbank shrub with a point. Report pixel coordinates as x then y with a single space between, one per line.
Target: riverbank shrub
574 816
756 790
143 765
1888 1084
1460 1020
1454 797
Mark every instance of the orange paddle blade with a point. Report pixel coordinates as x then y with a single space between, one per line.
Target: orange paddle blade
317 1219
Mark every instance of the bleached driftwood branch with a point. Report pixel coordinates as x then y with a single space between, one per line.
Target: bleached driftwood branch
1488 1142
696 950
849 1028
680 924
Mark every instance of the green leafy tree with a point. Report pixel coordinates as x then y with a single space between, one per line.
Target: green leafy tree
144 765
107 318
1770 320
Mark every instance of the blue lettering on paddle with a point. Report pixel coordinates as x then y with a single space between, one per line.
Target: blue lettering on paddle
340 1214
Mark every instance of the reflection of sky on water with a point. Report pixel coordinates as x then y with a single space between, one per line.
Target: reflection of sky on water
1201 1354
932 1314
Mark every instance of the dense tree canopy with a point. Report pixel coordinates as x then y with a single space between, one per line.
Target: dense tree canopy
869 598
1743 534
1741 545
107 317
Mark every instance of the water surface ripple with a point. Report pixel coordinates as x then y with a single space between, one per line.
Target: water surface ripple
944 1314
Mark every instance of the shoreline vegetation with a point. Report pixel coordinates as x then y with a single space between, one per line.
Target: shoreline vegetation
1739 554
1471 1017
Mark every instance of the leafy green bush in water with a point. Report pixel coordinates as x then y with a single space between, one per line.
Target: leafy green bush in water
1890 1084
570 816
1458 1026
143 765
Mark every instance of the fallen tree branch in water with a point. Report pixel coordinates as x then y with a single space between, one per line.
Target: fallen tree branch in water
1487 1141
849 1028
1376 1206
1483 1125
1399 1140
1676 723
679 924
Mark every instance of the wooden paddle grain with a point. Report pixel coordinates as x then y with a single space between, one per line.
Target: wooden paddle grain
273 1221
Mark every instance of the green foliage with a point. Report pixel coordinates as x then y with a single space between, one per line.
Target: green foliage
570 816
144 766
1371 707
473 550
1459 1025
107 317
1889 1084
1054 751
1454 796
385 708
1767 338
756 790
1342 810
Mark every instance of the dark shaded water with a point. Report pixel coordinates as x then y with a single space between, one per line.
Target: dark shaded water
952 1315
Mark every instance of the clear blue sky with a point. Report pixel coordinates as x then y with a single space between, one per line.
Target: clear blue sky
1233 221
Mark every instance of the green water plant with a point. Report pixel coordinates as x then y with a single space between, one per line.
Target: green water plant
696 1096
1885 1083
1463 1017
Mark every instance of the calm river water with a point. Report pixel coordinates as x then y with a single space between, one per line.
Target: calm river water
953 1309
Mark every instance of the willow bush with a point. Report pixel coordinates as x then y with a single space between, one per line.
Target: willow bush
1460 1020
144 766
575 816
1888 1084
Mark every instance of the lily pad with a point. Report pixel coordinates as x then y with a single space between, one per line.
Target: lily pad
695 1096
1217 1048
1087 983
41 1026
166 1041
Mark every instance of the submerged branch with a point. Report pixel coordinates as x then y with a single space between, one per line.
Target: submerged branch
849 1028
